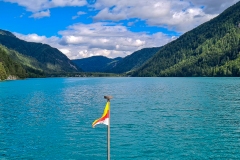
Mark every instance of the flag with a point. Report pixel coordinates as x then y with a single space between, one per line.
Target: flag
105 117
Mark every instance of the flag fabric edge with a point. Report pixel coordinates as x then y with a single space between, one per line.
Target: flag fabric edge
104 118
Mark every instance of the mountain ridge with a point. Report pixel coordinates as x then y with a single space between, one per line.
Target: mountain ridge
204 51
134 60
52 59
116 65
95 63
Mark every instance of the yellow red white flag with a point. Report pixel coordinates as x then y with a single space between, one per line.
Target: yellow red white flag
105 117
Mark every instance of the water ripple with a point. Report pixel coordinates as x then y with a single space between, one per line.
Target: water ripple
151 118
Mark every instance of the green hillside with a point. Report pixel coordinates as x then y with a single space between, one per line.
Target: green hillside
212 49
32 66
51 59
133 61
9 67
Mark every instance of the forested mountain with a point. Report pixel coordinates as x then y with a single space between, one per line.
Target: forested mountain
9 67
212 49
96 63
14 64
133 61
51 59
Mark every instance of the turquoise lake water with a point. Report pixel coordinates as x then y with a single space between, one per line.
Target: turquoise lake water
151 118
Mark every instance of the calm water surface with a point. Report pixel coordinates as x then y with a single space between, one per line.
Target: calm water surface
151 118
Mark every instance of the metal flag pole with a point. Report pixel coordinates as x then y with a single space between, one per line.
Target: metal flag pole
108 129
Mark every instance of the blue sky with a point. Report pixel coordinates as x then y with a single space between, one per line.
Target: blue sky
113 28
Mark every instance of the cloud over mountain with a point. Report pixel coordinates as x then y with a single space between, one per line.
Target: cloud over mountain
117 27
81 40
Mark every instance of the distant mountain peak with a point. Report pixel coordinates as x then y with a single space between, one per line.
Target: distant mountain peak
118 64
6 33
95 63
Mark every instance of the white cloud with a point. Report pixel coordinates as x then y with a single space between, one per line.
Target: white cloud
79 14
178 15
214 7
41 14
161 13
38 39
108 39
64 50
37 7
106 14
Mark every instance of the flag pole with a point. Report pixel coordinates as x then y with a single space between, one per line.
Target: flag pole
108 129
